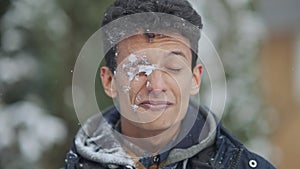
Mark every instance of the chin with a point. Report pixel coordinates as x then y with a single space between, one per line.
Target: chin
157 125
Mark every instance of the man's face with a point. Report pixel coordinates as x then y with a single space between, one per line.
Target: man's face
153 80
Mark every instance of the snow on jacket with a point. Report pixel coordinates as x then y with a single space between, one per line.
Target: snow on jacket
207 146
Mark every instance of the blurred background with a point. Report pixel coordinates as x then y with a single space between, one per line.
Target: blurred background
258 43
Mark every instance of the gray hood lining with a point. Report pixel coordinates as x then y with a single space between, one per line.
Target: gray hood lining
182 154
96 141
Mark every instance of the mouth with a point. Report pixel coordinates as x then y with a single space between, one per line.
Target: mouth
155 105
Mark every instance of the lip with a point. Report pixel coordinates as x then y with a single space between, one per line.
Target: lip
155 105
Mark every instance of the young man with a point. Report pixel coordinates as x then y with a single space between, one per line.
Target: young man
151 74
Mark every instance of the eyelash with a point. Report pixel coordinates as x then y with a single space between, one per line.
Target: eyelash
174 70
177 52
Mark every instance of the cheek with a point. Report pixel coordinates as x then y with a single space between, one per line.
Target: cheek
136 86
183 85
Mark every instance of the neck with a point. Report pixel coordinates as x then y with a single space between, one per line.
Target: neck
149 140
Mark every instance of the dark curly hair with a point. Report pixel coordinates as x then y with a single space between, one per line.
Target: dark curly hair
178 8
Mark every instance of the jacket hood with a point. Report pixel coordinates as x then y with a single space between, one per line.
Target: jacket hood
97 139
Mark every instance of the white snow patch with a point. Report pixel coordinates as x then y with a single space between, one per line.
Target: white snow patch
148 69
130 74
132 58
134 107
126 88
148 84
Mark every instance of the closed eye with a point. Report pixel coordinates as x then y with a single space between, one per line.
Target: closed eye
174 69
178 53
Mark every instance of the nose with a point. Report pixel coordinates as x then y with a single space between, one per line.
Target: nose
156 82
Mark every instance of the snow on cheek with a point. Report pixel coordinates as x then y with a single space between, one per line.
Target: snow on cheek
126 88
148 84
134 107
132 70
132 58
129 71
138 98
130 75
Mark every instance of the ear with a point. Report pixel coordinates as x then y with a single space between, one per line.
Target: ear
196 81
108 82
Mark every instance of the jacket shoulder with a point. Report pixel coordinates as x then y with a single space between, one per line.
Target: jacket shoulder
232 154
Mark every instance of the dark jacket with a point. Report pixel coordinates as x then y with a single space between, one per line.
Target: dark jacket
214 148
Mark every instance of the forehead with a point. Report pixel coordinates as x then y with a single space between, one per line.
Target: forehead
173 42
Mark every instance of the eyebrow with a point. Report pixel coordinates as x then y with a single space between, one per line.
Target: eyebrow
176 52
